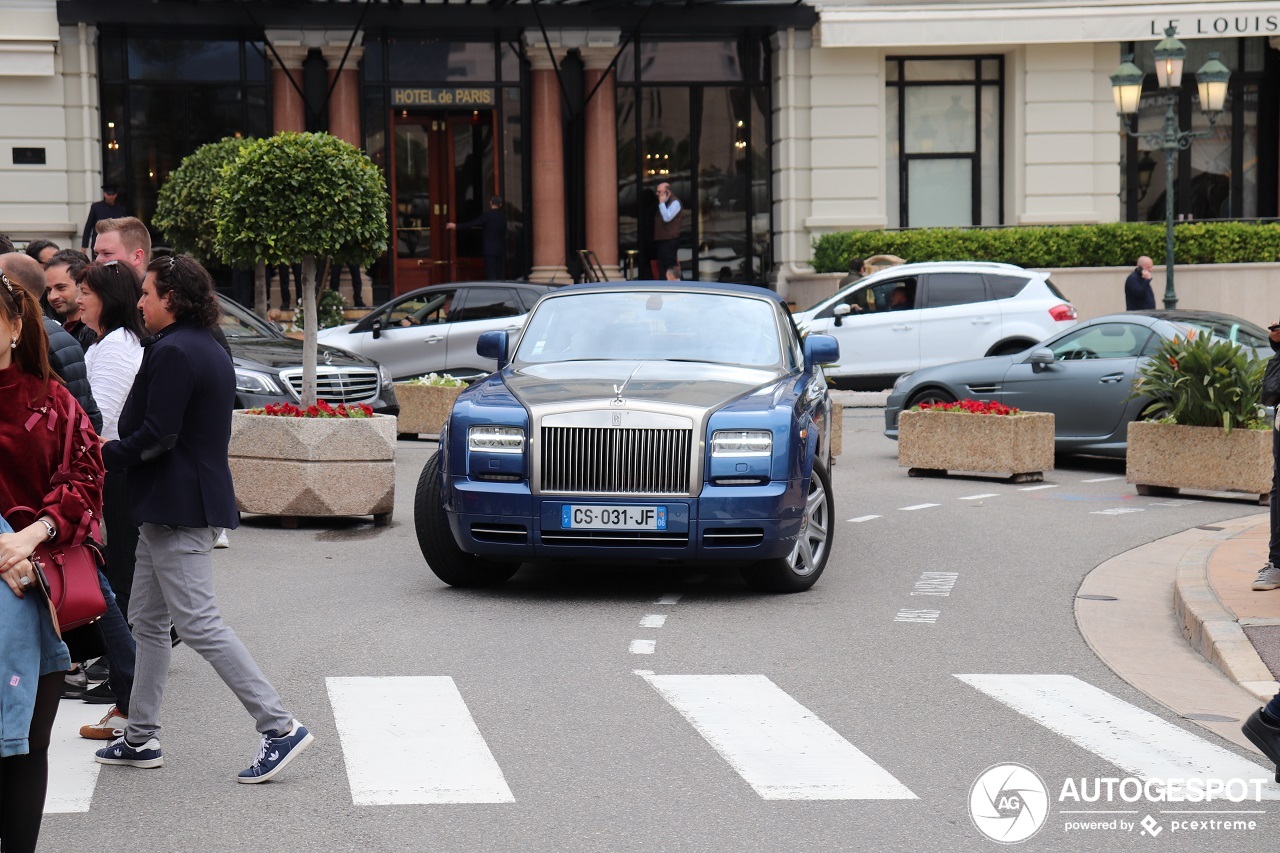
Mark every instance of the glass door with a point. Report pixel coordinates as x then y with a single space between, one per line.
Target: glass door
444 171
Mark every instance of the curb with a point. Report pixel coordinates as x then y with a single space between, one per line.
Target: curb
1210 628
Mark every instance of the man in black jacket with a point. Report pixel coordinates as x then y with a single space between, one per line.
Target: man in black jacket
174 432
1137 287
493 233
109 208
65 353
60 279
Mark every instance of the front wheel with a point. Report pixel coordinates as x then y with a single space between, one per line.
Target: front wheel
801 569
449 562
931 396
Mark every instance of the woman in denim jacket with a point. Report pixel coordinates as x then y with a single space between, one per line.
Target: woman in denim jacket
35 410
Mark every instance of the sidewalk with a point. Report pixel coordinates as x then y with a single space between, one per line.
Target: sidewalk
1235 628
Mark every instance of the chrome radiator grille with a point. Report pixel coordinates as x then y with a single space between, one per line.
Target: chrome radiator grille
592 460
338 384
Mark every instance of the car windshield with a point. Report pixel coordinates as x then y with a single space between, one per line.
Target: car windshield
238 324
653 325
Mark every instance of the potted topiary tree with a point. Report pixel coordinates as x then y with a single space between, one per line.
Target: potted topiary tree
292 198
1210 432
185 207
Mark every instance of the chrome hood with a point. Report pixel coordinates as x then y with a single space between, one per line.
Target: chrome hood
665 383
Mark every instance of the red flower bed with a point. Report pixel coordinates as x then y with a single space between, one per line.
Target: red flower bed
322 409
973 407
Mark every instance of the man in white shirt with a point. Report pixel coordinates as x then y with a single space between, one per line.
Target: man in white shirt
667 223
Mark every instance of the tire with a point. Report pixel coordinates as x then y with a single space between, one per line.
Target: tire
449 562
930 395
801 569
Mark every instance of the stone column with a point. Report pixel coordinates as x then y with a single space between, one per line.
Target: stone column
344 103
546 209
287 109
601 127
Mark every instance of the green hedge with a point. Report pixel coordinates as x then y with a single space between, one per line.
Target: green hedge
1116 244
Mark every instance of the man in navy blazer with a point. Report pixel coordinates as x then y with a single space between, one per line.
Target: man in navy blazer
174 432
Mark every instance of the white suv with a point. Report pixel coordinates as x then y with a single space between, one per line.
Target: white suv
917 315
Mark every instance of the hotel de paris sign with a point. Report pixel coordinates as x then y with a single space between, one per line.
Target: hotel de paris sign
467 98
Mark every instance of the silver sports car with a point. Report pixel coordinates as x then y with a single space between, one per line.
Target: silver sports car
1083 375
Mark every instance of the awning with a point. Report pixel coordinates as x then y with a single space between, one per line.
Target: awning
1012 23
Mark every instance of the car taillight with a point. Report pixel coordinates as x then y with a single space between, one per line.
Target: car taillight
1063 312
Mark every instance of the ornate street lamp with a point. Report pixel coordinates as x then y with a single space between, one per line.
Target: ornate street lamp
1126 88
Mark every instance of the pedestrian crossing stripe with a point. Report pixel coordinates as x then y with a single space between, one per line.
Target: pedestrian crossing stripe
776 744
1134 740
411 740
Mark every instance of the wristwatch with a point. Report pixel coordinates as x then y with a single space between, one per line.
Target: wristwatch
49 528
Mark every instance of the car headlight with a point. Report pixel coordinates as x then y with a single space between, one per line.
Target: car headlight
901 380
496 439
253 382
741 442
384 376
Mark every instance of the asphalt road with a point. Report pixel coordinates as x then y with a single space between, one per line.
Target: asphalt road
839 721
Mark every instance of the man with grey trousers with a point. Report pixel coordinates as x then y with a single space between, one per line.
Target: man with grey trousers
174 432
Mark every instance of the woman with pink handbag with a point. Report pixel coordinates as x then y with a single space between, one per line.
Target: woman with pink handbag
57 471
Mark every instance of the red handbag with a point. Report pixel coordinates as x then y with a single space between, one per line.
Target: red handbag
69 573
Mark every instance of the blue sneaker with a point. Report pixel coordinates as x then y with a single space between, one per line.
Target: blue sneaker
277 752
120 751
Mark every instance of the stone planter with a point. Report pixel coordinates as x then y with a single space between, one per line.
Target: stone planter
424 408
1017 446
837 430
1163 458
294 467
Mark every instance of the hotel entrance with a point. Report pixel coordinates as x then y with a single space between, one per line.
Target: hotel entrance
443 170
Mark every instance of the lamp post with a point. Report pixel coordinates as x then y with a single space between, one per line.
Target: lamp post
1126 87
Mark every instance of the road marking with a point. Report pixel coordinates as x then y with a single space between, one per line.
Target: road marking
910 615
1120 510
776 744
863 518
1102 479
1137 741
653 621
670 598
980 497
935 583
410 740
73 773
643 647
1038 488
917 506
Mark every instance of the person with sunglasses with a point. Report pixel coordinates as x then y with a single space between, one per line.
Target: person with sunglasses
65 503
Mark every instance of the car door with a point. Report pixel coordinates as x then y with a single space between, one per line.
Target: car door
413 339
1089 382
481 309
877 337
958 318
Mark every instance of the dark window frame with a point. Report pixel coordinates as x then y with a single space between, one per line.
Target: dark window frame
898 86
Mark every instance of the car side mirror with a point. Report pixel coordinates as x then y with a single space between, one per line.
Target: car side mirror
820 349
841 311
1040 358
376 326
493 345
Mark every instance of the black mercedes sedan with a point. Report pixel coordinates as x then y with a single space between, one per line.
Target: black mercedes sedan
269 366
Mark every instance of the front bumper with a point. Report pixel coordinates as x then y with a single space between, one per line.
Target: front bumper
724 523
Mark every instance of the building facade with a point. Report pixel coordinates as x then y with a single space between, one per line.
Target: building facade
773 123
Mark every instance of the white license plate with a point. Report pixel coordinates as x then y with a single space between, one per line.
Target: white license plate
598 517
